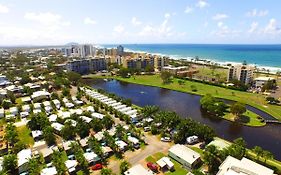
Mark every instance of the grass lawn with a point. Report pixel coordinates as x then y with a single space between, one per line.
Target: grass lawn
196 149
255 100
179 170
273 163
249 118
208 72
25 135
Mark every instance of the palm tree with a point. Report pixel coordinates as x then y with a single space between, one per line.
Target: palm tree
57 161
120 131
147 111
10 163
107 121
95 146
11 134
267 155
106 171
34 166
79 155
211 158
110 141
124 166
258 151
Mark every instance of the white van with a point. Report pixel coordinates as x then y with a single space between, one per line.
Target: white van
192 139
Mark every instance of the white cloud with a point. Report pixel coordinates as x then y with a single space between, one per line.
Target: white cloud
4 9
188 9
221 25
11 35
161 31
254 27
272 27
48 19
167 15
224 31
88 20
202 4
220 16
119 28
257 13
135 21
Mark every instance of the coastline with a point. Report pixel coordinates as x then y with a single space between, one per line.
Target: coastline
217 61
260 68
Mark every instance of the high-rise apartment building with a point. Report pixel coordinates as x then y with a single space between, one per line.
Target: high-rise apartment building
81 51
120 50
243 73
85 66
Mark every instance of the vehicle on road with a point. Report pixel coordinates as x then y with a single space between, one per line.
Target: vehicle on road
166 139
146 129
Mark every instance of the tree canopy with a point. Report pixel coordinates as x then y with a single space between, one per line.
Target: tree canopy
212 105
166 76
238 109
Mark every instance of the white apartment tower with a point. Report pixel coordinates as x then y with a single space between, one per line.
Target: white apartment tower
82 51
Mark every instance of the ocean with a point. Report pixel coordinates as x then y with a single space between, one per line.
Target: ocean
262 56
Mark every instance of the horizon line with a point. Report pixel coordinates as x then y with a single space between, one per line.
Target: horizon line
58 45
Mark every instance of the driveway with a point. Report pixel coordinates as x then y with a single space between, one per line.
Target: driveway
138 156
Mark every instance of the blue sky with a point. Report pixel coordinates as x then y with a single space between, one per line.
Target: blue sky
48 22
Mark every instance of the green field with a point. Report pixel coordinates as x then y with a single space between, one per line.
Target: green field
219 73
255 100
249 118
25 135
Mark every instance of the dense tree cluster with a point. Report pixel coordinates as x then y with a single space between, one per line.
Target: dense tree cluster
165 122
41 122
212 105
213 156
269 85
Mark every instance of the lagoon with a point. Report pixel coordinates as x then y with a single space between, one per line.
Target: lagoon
188 105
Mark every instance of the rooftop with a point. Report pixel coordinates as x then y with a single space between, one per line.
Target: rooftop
138 170
184 153
49 171
233 166
23 156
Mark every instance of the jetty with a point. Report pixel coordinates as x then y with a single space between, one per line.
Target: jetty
273 121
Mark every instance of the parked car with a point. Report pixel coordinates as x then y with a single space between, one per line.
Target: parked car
139 124
166 139
146 129
97 166
192 139
152 166
202 145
